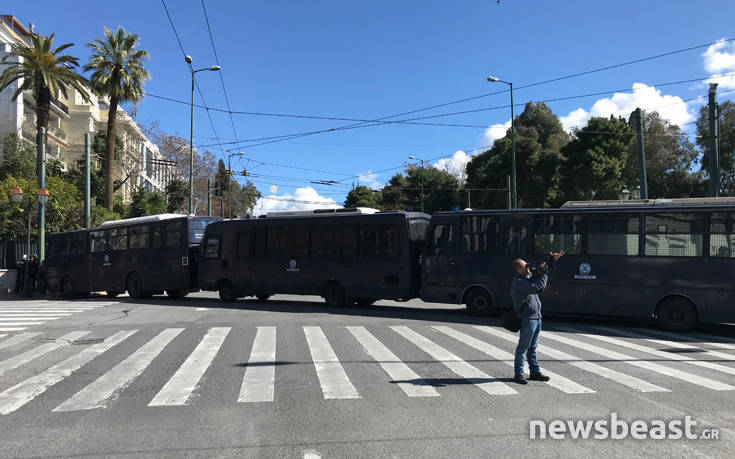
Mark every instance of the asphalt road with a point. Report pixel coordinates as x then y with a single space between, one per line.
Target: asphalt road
290 377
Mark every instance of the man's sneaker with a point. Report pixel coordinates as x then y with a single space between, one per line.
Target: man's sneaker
538 377
519 380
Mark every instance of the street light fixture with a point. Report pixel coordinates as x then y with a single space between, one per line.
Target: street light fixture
493 79
229 178
624 194
422 180
213 68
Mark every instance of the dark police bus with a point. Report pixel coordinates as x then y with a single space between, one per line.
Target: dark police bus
671 260
346 256
143 255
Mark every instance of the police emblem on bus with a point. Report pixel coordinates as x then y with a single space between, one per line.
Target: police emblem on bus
292 266
585 270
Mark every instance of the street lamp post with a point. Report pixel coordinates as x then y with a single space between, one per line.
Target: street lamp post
17 196
213 68
229 178
422 180
513 138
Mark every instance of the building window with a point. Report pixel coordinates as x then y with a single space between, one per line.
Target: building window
613 234
674 235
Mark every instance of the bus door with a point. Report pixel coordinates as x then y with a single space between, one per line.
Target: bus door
99 262
439 264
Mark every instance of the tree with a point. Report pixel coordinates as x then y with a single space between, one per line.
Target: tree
539 139
146 203
118 73
362 196
176 192
19 158
44 71
596 159
670 160
727 144
440 190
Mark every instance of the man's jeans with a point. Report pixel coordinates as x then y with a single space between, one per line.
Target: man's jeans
527 343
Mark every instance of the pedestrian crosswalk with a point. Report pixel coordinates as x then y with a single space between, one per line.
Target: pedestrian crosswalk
402 357
21 315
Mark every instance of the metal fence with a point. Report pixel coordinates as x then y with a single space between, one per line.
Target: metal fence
12 251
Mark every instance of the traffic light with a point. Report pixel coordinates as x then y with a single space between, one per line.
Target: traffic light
218 188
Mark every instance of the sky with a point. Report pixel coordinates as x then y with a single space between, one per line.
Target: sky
348 60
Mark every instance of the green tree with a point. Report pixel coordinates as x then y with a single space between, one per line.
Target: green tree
539 139
43 70
177 193
118 73
670 160
146 203
440 190
596 159
19 158
727 144
362 196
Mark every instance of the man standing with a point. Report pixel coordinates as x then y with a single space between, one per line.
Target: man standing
524 291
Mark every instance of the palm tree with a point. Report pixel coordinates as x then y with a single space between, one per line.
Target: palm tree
44 71
118 73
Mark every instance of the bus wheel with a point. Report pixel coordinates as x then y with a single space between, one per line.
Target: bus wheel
226 293
67 288
676 314
134 286
263 297
112 293
177 294
479 302
334 295
364 302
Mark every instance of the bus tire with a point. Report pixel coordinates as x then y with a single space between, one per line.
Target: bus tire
263 297
365 302
226 292
479 302
676 314
66 287
334 295
134 286
177 294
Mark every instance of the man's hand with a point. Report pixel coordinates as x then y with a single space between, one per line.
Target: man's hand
557 255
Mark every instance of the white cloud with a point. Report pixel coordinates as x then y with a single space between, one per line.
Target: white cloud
719 59
496 131
671 108
370 180
455 165
302 199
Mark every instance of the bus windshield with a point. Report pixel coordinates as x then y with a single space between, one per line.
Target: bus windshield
197 227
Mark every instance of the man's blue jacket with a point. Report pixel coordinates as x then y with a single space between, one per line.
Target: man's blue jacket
524 292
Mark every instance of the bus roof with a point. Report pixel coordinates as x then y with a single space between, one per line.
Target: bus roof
145 219
672 202
322 212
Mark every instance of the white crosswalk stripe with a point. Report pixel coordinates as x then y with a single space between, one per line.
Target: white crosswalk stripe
557 381
17 339
703 340
179 389
258 385
19 316
683 375
22 393
332 377
25 357
3 335
458 366
102 390
599 370
11 329
396 369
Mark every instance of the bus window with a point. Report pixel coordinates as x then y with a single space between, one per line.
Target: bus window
243 244
443 237
276 245
76 244
515 236
378 242
322 245
674 235
480 234
613 234
98 241
157 236
211 247
119 239
346 238
298 242
258 247
173 233
555 233
722 239
139 237
197 227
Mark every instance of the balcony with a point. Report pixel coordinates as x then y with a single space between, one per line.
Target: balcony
57 107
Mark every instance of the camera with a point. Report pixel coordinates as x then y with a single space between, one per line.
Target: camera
538 266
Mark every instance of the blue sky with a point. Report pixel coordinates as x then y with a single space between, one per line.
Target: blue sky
368 60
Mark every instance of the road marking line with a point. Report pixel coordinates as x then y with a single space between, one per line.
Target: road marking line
557 381
25 357
651 366
179 389
22 393
260 374
15 324
105 388
3 335
17 339
332 377
469 372
705 340
10 329
591 367
408 380
34 314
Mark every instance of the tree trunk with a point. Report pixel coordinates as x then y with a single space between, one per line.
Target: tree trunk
43 105
110 159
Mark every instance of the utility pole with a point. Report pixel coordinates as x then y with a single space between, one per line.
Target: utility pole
209 197
507 189
714 143
638 117
41 186
87 204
